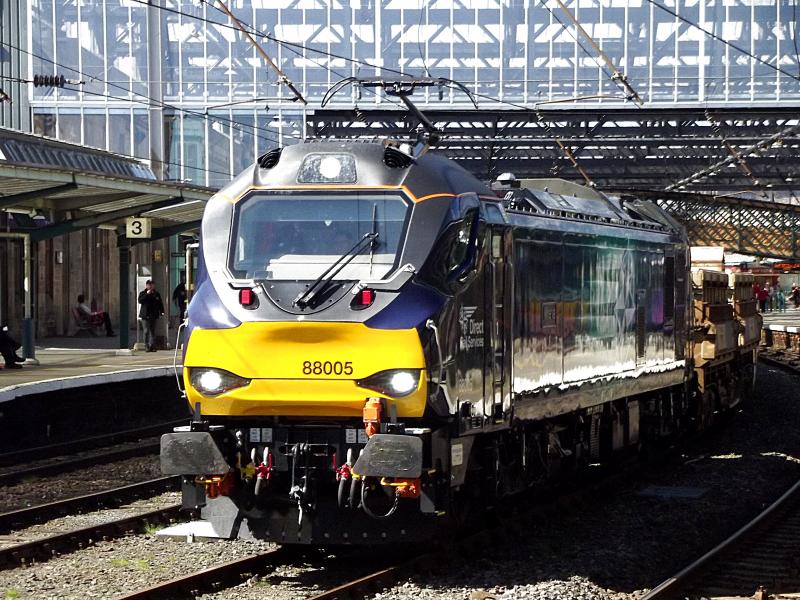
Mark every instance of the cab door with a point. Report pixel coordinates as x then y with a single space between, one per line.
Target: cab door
497 312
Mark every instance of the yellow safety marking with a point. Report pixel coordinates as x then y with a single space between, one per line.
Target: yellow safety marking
303 368
339 186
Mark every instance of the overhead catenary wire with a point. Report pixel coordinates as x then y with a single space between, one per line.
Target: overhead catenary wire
135 156
281 75
368 64
293 46
152 101
618 77
794 34
290 47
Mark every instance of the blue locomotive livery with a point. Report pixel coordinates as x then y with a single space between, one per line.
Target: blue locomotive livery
380 345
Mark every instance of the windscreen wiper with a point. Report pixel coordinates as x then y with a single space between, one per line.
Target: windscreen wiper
306 297
375 232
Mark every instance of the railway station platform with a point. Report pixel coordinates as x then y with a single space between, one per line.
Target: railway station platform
63 368
783 321
82 392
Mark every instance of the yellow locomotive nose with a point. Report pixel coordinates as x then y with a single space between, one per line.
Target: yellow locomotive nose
304 369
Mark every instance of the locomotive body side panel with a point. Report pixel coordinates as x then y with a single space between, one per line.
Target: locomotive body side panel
594 308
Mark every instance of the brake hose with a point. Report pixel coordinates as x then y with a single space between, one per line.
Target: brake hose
372 514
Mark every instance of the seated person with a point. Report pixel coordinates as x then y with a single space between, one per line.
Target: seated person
97 318
8 349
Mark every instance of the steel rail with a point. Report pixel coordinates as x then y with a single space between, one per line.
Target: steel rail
59 466
374 582
45 548
498 532
216 577
670 588
232 571
789 360
88 443
42 512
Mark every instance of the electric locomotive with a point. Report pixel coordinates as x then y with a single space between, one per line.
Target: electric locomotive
379 344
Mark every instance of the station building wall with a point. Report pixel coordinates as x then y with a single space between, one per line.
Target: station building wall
84 262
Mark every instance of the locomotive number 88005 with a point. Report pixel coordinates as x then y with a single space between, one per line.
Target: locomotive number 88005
379 343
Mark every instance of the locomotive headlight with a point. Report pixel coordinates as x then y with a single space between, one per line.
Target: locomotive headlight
330 167
213 382
395 382
403 382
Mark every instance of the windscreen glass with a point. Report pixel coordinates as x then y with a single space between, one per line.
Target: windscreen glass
295 237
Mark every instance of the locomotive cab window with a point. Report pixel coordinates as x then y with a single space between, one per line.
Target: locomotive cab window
453 259
298 237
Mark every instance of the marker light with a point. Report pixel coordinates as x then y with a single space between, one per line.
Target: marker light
367 297
213 382
246 297
330 167
362 299
395 382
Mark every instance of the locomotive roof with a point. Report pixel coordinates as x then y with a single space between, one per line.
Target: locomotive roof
379 164
561 198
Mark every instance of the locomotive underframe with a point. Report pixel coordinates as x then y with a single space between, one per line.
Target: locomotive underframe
490 467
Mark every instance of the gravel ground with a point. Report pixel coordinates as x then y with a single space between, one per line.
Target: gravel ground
73 522
614 546
302 578
34 462
112 568
625 543
79 482
306 576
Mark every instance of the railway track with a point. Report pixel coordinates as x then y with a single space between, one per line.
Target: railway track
229 573
370 584
783 358
236 571
57 467
106 498
10 459
44 548
761 558
387 568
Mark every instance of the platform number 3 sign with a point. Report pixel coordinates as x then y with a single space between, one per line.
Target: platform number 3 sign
137 227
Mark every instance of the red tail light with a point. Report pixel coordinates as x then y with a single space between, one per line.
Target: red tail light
363 299
246 297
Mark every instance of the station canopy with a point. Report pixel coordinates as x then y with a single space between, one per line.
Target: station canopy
39 174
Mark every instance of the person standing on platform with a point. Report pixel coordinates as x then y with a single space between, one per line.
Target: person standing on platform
179 298
763 298
152 307
795 295
781 298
